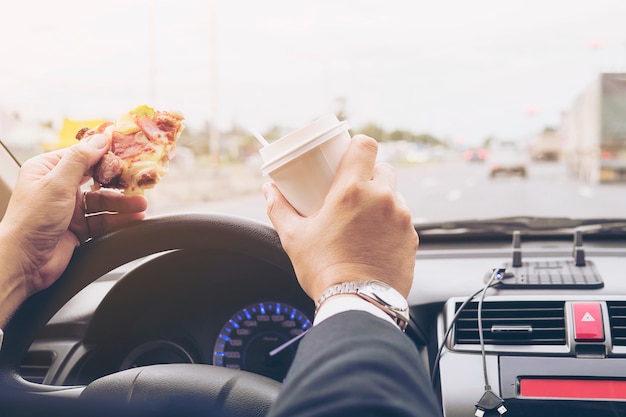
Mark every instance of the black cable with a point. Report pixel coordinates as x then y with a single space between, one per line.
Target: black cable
447 334
496 274
489 400
481 337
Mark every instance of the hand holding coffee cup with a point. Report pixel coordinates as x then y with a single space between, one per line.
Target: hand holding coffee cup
303 163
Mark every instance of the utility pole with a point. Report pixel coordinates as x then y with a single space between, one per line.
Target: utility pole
152 65
214 134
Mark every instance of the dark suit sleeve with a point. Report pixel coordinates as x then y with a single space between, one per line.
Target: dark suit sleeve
355 364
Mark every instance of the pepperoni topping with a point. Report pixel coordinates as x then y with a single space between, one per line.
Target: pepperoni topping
126 146
150 128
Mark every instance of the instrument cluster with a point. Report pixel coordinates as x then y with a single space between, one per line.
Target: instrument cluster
261 338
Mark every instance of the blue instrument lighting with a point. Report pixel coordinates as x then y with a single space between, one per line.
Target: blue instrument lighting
247 337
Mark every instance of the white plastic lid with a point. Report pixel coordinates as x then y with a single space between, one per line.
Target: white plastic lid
294 144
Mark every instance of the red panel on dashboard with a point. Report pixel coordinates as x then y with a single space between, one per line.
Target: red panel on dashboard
588 322
585 389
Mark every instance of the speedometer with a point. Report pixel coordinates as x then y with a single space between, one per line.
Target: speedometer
256 339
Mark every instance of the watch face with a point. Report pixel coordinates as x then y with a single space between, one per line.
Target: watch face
388 294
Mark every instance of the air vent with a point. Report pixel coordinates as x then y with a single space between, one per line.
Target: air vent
513 323
35 366
617 320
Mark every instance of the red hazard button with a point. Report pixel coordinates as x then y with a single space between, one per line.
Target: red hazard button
588 322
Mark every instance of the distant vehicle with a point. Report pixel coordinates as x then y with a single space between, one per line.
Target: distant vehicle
475 154
546 146
507 157
595 131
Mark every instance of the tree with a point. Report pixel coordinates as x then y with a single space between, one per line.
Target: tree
273 133
487 142
340 108
400 135
374 131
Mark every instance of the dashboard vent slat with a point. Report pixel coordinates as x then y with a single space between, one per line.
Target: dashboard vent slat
513 323
617 320
35 366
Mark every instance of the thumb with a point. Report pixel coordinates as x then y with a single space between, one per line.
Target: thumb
81 157
280 212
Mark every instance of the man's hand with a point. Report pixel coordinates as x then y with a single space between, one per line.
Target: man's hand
363 231
45 219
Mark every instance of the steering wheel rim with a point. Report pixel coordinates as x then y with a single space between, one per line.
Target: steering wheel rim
151 236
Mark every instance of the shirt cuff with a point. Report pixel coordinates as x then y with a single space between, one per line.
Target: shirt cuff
1 337
339 304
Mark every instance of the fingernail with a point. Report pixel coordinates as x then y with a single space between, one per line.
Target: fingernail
98 141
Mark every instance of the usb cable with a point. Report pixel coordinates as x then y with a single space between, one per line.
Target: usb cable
489 400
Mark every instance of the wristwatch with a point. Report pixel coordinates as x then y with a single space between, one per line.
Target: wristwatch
379 293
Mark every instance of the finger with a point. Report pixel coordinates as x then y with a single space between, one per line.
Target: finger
358 161
401 202
113 201
78 159
386 174
282 214
101 224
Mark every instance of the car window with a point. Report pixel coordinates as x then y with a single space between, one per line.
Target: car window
445 87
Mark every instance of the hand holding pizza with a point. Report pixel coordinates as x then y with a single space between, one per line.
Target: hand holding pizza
47 218
48 214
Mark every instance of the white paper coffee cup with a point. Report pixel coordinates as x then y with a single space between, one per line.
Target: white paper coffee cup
303 163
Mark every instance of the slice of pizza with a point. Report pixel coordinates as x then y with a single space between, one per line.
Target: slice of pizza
142 143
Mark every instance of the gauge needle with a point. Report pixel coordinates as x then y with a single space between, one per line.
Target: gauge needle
287 343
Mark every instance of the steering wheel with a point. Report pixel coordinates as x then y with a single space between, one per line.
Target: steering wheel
174 389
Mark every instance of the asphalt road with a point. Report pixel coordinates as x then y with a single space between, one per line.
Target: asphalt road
448 190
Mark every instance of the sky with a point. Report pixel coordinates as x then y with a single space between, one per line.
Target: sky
460 70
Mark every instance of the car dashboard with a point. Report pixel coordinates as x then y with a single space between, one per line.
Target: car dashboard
553 336
175 307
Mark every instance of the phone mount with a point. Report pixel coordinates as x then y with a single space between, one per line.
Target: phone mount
574 273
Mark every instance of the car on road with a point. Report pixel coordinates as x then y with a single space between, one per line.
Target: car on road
475 154
518 286
507 157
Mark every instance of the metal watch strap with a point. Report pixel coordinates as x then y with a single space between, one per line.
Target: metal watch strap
353 287
349 287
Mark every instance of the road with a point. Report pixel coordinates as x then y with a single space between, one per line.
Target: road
456 189
464 190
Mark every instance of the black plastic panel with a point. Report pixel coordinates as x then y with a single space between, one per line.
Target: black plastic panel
552 274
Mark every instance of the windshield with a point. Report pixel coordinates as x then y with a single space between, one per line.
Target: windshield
441 85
